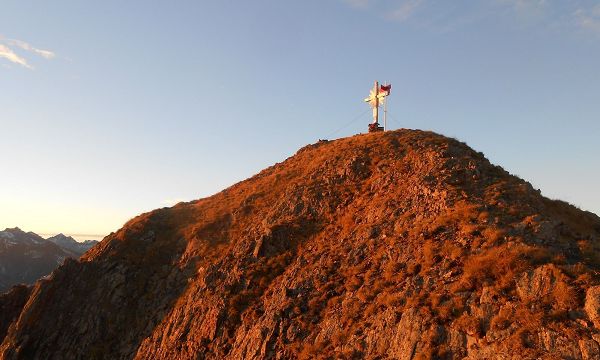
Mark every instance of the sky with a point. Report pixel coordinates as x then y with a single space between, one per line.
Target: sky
112 108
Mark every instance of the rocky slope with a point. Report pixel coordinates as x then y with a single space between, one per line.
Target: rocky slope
404 245
11 305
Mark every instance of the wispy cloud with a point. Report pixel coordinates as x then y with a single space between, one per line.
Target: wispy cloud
396 10
404 10
8 54
589 19
25 46
7 51
442 15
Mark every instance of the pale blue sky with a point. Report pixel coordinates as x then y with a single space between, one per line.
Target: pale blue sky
137 104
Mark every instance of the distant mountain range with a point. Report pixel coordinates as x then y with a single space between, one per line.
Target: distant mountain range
70 244
26 257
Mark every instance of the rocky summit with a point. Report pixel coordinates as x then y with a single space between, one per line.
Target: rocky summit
400 245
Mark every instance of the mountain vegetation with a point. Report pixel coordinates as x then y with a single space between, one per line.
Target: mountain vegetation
402 244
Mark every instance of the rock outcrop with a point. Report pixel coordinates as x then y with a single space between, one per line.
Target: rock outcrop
404 245
11 305
592 305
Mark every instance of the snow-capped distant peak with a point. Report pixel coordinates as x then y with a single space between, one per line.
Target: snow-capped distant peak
6 234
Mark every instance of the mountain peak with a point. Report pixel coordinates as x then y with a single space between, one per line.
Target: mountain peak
382 245
61 237
19 236
13 230
70 244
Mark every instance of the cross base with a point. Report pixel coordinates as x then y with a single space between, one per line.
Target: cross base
374 127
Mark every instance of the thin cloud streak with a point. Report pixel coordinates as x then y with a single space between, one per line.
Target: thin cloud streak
7 52
404 11
568 16
589 19
25 46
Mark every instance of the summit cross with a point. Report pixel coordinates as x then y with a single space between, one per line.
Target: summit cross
377 96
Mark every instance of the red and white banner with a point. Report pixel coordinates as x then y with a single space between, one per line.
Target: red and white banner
386 89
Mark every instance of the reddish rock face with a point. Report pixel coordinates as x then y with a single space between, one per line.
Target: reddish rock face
11 305
401 245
